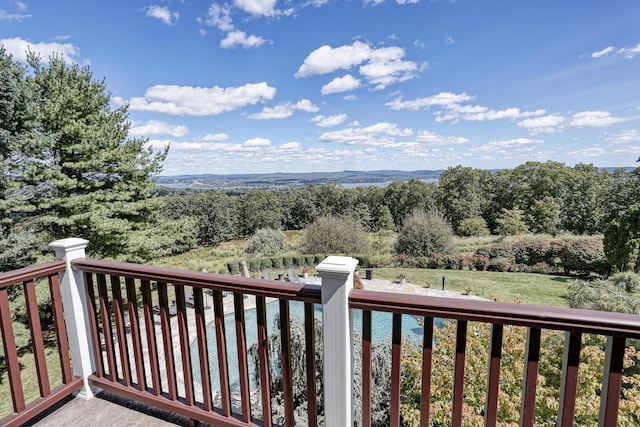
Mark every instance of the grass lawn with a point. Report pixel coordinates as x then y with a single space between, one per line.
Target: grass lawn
528 288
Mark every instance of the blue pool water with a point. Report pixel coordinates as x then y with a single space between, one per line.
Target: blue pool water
381 329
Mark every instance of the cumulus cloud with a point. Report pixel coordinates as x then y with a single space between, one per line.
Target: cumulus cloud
594 119
630 52
258 7
588 152
380 67
502 146
545 124
431 138
341 84
284 110
200 101
163 14
156 127
322 121
240 38
220 17
18 48
377 134
625 137
443 99
453 107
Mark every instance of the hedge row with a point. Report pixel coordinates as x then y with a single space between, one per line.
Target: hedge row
572 256
275 262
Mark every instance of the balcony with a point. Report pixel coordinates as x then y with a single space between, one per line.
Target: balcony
200 346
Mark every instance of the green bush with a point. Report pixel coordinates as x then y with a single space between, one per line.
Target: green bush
268 241
233 267
424 234
498 250
500 264
584 256
277 262
266 263
471 227
287 261
299 260
310 260
254 264
332 235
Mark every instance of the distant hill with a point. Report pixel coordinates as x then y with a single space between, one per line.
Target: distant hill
268 180
283 180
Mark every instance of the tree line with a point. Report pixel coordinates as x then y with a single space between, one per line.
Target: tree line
534 197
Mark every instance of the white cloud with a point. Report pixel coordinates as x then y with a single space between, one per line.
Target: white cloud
380 67
627 52
326 59
284 110
443 99
449 40
594 119
155 127
341 84
18 47
603 52
215 137
431 138
220 17
502 146
240 38
257 142
258 7
588 152
322 121
378 134
200 101
545 124
163 14
625 137
478 113
7 16
630 52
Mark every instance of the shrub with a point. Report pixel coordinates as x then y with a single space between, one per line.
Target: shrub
480 262
499 264
334 235
254 264
287 261
299 260
265 263
403 260
470 227
233 266
277 262
584 256
499 250
424 234
310 260
268 241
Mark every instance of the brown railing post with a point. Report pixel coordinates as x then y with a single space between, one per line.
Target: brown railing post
337 281
76 315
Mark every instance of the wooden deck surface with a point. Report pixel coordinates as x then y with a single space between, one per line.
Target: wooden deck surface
107 410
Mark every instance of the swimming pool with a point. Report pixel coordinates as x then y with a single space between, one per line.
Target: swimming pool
381 328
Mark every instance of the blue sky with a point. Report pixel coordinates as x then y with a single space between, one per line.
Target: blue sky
252 86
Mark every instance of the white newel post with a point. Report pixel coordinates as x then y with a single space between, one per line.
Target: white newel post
336 273
76 315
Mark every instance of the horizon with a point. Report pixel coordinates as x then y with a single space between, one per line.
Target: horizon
268 86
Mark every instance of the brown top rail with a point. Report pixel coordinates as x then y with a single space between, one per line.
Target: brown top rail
24 274
567 319
259 287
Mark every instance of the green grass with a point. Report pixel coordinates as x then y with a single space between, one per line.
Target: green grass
30 379
528 288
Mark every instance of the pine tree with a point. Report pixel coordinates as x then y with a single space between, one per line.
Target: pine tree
83 176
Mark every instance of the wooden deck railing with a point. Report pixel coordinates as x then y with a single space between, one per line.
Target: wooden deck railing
21 284
148 336
615 327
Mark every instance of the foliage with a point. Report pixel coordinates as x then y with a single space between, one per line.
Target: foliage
620 293
511 222
403 198
461 194
544 216
380 365
511 378
584 256
268 241
424 234
259 209
475 226
622 241
332 235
